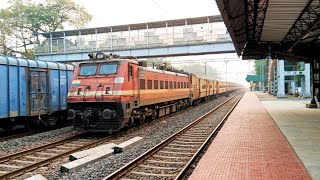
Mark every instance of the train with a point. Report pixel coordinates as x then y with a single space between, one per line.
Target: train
33 93
108 93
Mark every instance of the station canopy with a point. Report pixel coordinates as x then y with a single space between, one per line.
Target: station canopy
286 29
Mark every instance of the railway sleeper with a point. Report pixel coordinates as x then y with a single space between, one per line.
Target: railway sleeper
3 172
10 166
157 167
35 157
170 152
170 157
22 162
152 174
187 142
184 145
155 170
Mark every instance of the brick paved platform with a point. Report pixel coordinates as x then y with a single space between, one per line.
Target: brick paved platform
250 146
301 127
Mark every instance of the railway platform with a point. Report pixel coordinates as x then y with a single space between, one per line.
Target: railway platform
253 145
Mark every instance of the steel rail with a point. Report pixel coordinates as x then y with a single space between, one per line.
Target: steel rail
48 160
68 152
134 163
15 136
28 133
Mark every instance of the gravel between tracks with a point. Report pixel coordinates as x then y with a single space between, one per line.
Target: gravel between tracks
28 142
152 135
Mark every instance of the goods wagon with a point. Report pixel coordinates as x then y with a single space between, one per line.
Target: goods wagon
108 94
32 92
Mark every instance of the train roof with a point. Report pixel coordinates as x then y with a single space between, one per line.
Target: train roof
15 61
162 71
109 60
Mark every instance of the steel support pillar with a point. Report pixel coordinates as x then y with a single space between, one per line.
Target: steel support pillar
280 78
306 83
315 81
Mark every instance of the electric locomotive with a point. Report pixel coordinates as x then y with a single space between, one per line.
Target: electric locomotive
109 93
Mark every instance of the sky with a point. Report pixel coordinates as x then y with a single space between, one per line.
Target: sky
119 12
137 11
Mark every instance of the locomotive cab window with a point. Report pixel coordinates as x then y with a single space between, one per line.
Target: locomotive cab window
130 73
88 70
108 69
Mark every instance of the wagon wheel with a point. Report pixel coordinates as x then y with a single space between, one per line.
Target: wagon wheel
142 118
131 121
154 115
178 107
52 120
7 127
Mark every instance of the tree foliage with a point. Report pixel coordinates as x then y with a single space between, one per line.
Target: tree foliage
260 67
22 18
200 69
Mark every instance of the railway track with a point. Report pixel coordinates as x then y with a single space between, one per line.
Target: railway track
25 161
23 132
6 137
171 158
20 163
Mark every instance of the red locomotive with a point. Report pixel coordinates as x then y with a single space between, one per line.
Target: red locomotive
108 94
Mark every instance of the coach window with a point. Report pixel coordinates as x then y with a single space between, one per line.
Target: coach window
171 86
142 84
185 85
181 85
161 84
166 84
175 85
149 84
178 85
155 84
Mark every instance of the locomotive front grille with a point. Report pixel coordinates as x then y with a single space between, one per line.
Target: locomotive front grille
97 117
98 126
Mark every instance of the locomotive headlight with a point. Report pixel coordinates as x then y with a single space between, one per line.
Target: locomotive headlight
100 56
107 114
71 114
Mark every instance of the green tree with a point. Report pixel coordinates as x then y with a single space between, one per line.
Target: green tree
5 31
260 67
22 18
200 69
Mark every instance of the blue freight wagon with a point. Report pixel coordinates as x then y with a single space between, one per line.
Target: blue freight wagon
33 92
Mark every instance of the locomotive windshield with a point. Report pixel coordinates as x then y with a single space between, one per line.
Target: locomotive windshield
108 69
88 70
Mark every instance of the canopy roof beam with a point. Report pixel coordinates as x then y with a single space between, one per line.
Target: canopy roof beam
256 13
308 21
